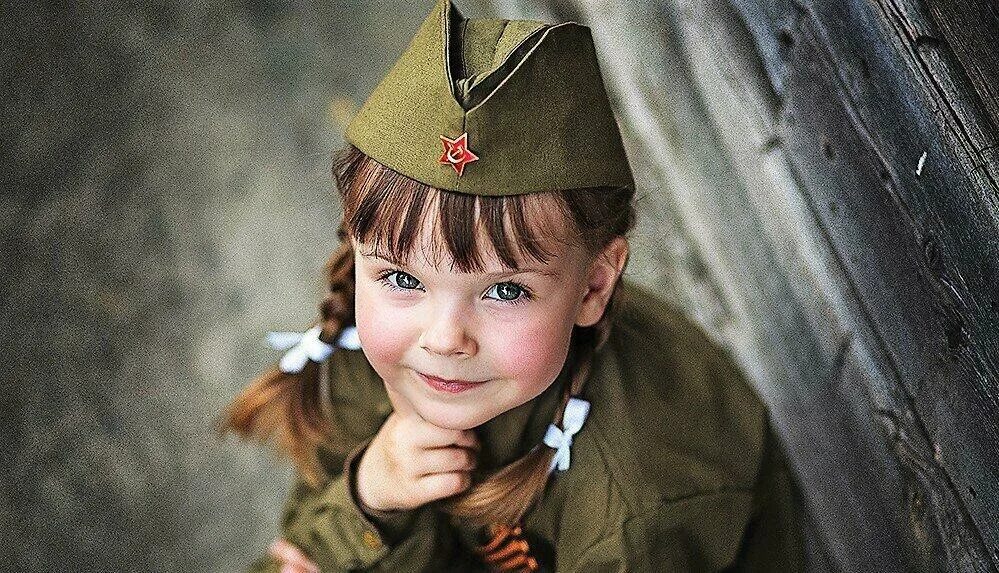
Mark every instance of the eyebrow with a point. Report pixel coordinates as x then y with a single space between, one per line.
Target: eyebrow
537 271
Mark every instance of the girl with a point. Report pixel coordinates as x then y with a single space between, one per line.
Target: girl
482 390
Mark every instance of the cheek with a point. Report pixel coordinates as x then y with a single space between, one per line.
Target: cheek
383 337
533 355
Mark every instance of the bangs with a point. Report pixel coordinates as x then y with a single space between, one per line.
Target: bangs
388 210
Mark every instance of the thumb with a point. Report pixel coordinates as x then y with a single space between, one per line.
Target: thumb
400 404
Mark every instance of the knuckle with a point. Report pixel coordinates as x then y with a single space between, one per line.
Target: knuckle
466 459
456 458
431 490
408 466
472 442
452 483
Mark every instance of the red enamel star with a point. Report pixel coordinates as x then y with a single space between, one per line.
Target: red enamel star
456 153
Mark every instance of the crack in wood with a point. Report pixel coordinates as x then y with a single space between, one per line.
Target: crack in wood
908 444
904 25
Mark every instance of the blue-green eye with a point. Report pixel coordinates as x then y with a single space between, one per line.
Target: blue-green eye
508 291
402 280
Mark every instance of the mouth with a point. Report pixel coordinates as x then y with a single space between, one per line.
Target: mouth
450 386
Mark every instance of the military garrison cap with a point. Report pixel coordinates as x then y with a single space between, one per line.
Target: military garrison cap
494 107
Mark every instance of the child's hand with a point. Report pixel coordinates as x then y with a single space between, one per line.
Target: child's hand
411 462
291 558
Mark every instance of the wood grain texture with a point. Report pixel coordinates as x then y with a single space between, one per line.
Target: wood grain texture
833 166
971 30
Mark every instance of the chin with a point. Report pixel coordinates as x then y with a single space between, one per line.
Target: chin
455 420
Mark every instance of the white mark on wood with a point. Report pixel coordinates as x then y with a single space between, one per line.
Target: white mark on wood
919 166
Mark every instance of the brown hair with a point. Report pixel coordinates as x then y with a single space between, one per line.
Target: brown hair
385 208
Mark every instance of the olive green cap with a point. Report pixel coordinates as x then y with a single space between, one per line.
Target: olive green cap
529 96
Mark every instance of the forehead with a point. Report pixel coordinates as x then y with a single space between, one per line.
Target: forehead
450 231
429 250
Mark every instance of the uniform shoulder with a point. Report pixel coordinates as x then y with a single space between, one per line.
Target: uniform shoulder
354 400
672 410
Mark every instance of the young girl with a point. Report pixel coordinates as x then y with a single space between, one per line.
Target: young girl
482 390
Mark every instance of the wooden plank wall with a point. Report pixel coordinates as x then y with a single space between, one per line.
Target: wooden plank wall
819 189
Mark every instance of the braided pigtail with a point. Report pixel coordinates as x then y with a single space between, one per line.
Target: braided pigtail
507 495
287 406
337 309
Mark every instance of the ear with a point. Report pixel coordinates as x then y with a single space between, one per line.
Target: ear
601 278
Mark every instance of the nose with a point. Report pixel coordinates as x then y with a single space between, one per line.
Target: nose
447 333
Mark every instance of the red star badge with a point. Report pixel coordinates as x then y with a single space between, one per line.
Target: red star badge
456 153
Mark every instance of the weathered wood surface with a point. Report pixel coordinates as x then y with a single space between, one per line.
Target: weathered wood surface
792 210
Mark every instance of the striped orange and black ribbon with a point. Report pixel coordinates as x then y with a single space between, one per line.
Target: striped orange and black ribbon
507 550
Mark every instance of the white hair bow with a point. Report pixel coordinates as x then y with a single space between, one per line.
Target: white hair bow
303 347
575 414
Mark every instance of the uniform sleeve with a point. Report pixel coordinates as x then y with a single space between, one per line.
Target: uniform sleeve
745 530
700 533
773 539
328 525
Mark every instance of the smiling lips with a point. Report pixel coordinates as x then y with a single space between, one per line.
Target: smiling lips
444 385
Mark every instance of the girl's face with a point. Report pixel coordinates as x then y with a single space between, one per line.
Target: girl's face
426 328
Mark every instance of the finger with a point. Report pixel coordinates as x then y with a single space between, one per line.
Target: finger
442 460
291 556
439 486
289 567
431 436
467 439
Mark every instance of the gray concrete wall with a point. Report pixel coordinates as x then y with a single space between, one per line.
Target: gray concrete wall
166 201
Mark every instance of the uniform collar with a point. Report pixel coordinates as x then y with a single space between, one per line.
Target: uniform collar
513 433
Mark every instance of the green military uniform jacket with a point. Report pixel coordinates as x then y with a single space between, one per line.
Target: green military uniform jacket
675 469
